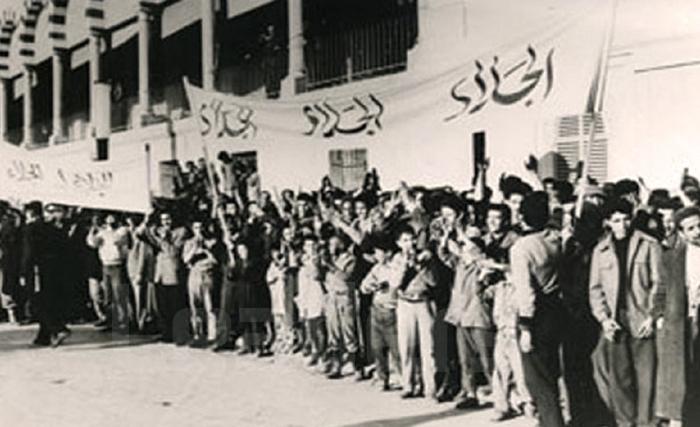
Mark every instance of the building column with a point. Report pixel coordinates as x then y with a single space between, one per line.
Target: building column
28 137
94 46
208 45
145 18
297 67
58 70
3 109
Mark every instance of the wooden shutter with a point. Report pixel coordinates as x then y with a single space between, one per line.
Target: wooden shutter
348 168
573 133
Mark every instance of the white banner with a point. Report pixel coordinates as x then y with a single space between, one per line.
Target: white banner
65 174
416 125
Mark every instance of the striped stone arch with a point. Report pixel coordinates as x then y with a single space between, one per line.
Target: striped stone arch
58 17
8 25
27 37
95 14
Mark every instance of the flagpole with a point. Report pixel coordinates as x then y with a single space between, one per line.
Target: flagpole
149 182
216 212
597 106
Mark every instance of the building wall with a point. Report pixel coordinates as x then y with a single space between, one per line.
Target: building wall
651 96
653 92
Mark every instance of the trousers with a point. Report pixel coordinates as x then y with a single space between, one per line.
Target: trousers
384 340
114 278
415 323
630 365
475 346
340 322
200 286
508 369
541 365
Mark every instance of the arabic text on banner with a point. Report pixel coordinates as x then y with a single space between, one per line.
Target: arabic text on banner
71 177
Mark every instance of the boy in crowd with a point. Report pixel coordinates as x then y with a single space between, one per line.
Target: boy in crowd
383 314
414 276
340 306
470 313
507 359
312 297
275 279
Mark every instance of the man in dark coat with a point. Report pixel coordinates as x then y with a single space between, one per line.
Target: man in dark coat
678 377
9 267
586 407
44 258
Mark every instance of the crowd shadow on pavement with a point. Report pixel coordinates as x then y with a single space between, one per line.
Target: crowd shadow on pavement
413 420
83 337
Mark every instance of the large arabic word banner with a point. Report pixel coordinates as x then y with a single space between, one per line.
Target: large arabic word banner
67 175
523 74
526 80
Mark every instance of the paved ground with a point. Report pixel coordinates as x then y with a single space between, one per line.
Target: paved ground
105 380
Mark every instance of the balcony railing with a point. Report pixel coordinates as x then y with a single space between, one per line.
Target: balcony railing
358 53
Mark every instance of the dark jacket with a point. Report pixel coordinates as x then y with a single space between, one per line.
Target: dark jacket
671 339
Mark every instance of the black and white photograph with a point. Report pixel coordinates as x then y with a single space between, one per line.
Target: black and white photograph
350 213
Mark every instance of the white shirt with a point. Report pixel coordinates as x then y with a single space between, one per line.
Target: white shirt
692 276
112 244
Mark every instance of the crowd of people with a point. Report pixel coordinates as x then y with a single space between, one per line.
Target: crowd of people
534 293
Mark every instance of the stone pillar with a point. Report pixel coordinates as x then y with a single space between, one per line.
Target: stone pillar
297 67
94 47
145 18
208 45
58 71
28 76
3 109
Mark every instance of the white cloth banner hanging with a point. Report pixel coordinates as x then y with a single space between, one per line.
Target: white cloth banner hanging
507 89
65 174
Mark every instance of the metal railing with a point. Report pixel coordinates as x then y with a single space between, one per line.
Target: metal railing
365 51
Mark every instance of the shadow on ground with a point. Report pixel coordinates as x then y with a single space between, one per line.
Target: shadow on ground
414 419
83 337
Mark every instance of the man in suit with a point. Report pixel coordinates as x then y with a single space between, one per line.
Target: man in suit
626 297
168 242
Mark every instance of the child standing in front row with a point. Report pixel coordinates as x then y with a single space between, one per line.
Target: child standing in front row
507 357
311 298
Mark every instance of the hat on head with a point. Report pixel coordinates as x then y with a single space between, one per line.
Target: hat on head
618 205
686 213
625 186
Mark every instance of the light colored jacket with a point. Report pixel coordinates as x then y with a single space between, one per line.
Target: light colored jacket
168 244
111 244
645 291
467 307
